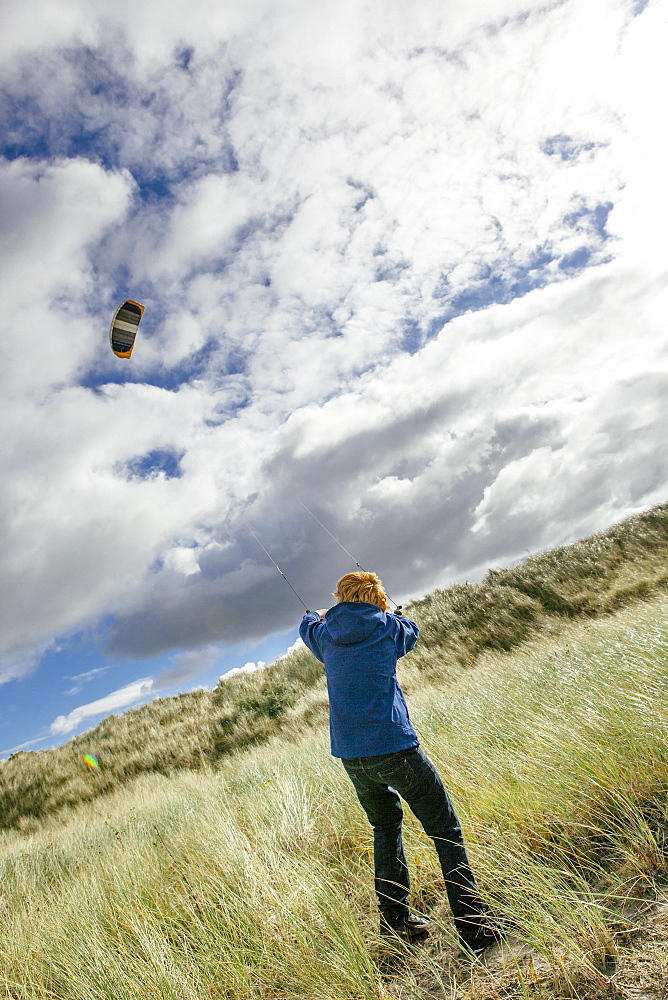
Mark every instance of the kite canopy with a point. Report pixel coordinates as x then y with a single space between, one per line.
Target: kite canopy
124 327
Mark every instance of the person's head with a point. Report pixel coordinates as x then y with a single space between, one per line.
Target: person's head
361 586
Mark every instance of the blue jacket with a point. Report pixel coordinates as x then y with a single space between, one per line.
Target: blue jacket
359 645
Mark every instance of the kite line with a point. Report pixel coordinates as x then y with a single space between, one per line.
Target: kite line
122 334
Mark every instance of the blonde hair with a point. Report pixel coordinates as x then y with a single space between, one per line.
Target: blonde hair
361 586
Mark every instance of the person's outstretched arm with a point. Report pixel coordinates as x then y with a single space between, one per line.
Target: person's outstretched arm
406 635
310 629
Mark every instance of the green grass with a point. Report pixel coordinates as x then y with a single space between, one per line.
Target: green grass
253 879
590 578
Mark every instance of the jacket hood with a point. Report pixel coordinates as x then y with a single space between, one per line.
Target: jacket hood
353 621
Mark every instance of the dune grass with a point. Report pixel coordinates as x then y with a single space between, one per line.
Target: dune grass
254 879
590 578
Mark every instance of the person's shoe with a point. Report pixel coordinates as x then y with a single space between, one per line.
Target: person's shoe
476 940
408 927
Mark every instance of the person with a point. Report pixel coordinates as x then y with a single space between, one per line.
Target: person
359 641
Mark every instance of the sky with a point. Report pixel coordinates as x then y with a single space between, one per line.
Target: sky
404 270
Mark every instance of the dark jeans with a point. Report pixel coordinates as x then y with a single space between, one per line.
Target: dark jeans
378 782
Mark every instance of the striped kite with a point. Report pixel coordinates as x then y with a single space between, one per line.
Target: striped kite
124 327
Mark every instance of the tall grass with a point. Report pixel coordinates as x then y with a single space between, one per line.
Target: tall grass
587 579
255 879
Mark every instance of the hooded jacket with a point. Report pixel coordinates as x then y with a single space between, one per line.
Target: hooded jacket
359 645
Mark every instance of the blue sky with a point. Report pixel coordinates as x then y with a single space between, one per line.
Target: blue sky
404 266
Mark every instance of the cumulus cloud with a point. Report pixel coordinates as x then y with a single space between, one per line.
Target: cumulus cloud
248 668
52 212
405 267
297 644
252 666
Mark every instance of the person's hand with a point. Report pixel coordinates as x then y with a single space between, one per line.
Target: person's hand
322 612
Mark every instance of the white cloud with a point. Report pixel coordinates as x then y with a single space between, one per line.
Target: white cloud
252 666
77 534
83 679
15 665
248 668
156 26
342 180
204 225
22 746
52 213
186 666
121 698
297 644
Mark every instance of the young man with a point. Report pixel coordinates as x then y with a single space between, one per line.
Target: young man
359 641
